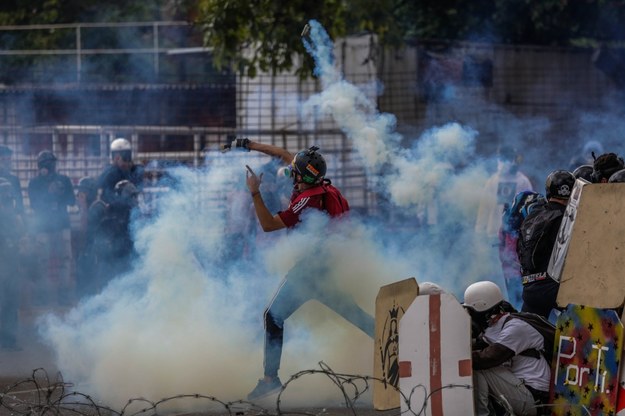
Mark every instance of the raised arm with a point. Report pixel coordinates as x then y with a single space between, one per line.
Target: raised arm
268 149
271 150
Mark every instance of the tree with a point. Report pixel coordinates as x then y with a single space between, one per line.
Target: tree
32 12
253 35
269 29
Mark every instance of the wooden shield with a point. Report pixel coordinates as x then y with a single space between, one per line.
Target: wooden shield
436 376
585 370
390 306
592 269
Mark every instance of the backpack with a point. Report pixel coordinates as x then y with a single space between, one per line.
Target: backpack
333 201
523 204
544 328
533 250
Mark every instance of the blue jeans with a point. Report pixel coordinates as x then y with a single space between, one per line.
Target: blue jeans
305 281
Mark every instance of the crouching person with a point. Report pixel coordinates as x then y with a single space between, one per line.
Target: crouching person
509 371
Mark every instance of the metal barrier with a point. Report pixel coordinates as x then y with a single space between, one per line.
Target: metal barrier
85 40
84 150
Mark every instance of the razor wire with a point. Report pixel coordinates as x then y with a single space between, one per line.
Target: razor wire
40 395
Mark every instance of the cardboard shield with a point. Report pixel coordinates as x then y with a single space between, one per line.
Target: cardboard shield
593 264
390 306
585 371
436 376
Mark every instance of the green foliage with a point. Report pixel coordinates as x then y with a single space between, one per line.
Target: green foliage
270 29
32 12
264 35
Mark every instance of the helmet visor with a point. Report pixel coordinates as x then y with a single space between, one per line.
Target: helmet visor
125 155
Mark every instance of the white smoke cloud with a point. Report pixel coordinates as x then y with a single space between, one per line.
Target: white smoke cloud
188 317
179 323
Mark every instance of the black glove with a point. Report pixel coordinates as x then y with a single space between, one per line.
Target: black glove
236 144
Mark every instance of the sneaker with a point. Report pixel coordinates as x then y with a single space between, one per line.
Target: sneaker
265 388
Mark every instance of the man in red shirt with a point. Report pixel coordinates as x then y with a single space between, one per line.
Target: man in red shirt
308 279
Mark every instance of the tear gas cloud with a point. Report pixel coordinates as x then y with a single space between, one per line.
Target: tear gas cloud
182 323
188 318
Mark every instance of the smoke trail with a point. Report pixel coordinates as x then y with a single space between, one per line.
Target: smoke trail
349 106
436 183
411 177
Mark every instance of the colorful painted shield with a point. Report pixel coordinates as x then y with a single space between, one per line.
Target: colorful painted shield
620 403
586 368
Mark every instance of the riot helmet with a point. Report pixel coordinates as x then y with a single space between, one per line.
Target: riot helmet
483 300
617 177
46 160
482 296
310 165
559 184
605 165
584 172
122 147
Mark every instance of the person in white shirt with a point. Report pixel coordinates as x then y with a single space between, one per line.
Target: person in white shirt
499 190
502 370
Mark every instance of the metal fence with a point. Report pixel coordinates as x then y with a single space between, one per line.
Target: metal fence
155 84
93 52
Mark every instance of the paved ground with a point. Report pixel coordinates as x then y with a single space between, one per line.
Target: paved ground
29 384
38 396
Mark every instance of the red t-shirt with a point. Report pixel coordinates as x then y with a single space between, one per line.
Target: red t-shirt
310 198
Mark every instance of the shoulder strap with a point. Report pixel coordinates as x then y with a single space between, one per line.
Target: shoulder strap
530 352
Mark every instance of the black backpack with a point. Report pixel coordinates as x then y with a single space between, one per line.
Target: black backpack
544 327
534 246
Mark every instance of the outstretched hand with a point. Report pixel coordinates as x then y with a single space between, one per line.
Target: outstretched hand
253 181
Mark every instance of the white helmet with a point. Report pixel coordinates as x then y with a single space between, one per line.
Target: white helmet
120 145
481 296
429 288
